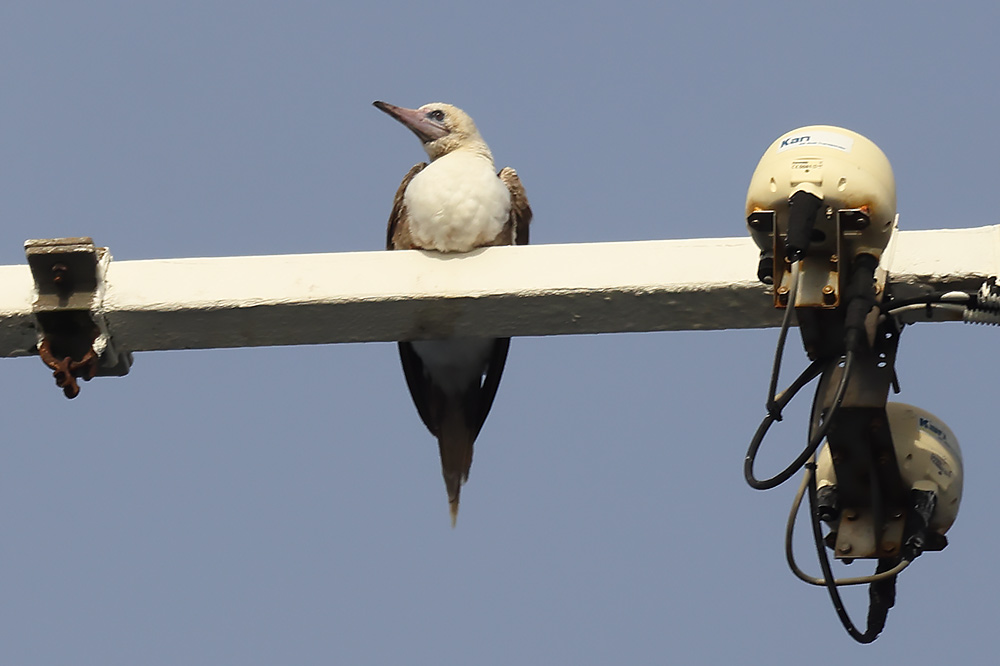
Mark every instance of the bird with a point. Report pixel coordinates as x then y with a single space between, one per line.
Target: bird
456 203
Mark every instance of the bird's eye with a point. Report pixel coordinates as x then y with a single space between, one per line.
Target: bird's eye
437 115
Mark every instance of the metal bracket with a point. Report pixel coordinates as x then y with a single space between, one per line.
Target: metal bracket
821 267
74 340
825 263
870 492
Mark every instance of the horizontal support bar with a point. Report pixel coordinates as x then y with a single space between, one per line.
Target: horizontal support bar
669 285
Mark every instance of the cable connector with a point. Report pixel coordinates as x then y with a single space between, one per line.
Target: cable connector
802 209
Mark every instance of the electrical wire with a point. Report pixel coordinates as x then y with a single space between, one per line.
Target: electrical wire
775 403
809 477
879 604
959 297
786 323
882 583
956 308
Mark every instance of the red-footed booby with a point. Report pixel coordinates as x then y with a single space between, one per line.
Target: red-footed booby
457 203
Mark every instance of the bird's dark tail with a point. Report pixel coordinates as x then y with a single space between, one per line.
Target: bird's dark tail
455 440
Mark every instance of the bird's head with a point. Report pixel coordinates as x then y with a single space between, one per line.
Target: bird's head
442 128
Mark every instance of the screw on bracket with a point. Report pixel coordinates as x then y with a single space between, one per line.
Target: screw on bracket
60 276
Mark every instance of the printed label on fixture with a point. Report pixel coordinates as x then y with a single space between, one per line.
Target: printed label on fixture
817 139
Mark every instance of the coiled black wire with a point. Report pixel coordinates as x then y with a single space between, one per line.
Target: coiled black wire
775 403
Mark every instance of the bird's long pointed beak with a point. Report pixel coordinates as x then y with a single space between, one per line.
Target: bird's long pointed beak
426 129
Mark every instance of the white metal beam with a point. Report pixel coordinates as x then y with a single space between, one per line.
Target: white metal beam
536 290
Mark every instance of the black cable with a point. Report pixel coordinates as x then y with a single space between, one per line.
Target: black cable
861 300
775 414
882 594
881 597
775 404
779 350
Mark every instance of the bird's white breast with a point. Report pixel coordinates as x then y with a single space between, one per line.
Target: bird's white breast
457 203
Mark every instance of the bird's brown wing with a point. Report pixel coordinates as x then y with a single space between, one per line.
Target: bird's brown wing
520 211
520 219
397 235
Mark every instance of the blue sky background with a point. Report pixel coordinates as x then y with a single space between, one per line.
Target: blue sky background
285 505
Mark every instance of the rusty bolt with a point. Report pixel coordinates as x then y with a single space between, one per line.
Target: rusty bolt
844 548
783 295
60 275
829 294
889 548
834 259
851 514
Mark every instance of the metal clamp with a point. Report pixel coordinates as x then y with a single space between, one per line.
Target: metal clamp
74 340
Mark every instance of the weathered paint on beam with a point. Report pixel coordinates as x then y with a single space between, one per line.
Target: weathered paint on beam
536 290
